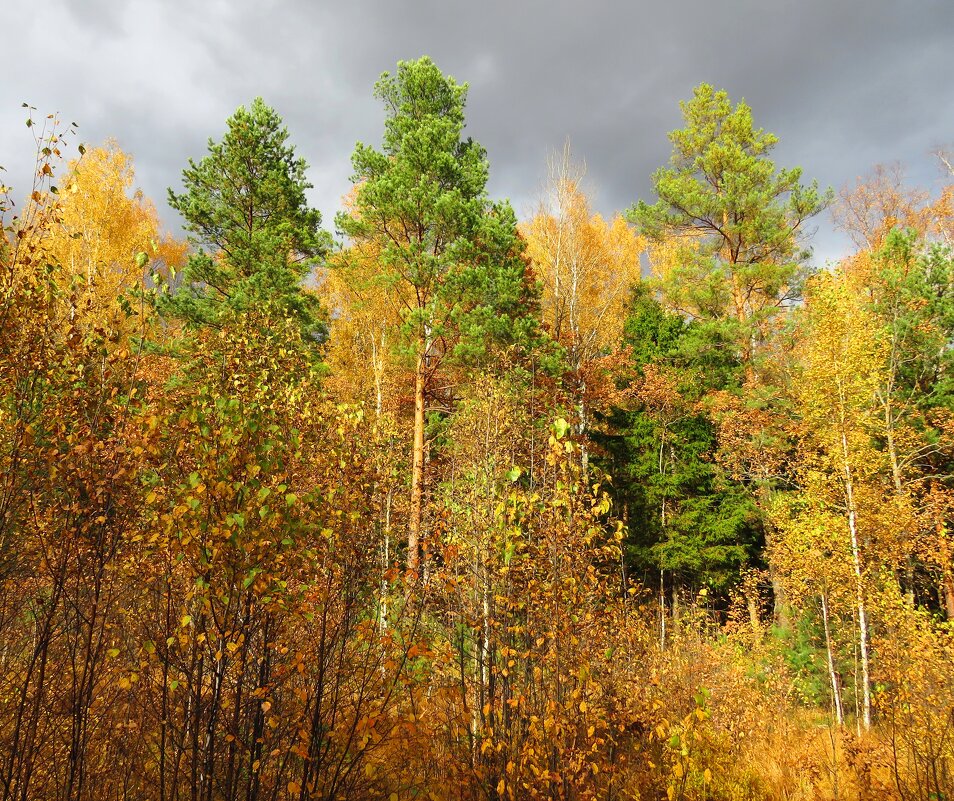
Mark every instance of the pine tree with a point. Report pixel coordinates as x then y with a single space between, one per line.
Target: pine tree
450 256
732 220
244 205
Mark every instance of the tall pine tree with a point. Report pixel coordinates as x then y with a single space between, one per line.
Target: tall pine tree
451 257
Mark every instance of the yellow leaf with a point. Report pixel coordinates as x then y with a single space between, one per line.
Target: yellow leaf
294 788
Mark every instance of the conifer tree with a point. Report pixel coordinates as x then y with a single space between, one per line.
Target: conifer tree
688 524
450 256
737 221
244 205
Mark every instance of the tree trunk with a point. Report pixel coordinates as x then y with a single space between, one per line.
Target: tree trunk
949 594
781 612
675 606
377 364
832 673
417 467
584 453
752 602
859 585
947 569
741 306
908 589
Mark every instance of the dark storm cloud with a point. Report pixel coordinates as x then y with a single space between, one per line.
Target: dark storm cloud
845 84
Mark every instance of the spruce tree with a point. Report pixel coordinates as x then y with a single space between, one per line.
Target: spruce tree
688 523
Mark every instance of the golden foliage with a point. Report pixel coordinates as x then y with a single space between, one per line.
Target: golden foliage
104 225
586 264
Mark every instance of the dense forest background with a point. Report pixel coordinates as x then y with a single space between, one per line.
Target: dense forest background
456 506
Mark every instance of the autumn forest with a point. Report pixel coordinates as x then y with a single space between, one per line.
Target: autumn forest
431 502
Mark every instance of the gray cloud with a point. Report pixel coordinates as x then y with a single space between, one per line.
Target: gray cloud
845 84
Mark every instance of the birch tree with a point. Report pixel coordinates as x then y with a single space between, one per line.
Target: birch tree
587 265
843 365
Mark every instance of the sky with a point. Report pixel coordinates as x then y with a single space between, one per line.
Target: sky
844 84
